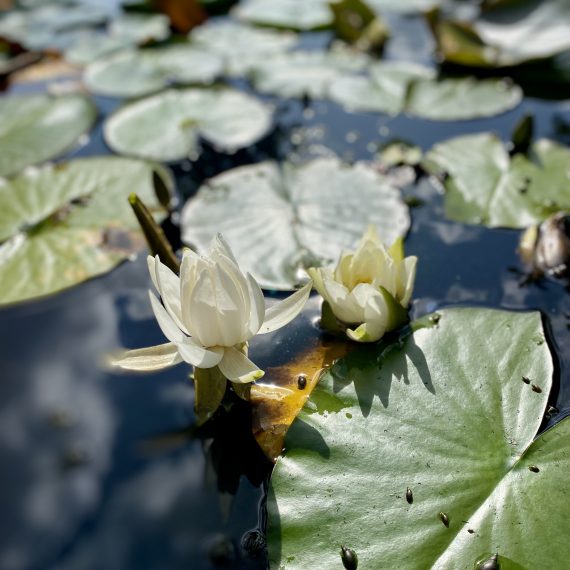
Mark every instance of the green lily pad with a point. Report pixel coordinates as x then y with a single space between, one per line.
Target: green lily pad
281 220
91 45
36 128
507 34
484 185
133 73
167 126
305 73
290 14
406 7
407 88
140 28
241 46
48 26
449 413
63 224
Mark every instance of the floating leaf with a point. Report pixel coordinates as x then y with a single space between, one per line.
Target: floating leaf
241 46
35 128
280 220
407 88
301 73
63 224
92 45
484 185
133 73
140 28
291 14
446 414
398 153
508 34
407 6
167 126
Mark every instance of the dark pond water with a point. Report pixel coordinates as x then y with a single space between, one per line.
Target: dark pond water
106 472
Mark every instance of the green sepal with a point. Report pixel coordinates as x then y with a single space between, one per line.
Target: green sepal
242 390
209 390
397 315
396 250
522 135
329 322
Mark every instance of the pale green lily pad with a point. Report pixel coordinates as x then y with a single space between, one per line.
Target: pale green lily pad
484 185
290 14
508 34
241 46
404 6
407 88
90 46
309 73
140 28
63 224
281 220
49 26
36 128
167 126
133 73
447 413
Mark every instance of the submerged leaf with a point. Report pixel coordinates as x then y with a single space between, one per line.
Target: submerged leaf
428 414
63 224
209 389
28 124
281 220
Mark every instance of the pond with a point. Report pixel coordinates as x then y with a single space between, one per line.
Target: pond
107 469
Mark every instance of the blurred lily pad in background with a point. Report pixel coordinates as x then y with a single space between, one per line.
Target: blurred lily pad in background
395 87
477 482
168 126
485 185
282 219
63 224
35 128
134 73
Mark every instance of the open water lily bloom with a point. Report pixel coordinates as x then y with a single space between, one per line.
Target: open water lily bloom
370 288
209 314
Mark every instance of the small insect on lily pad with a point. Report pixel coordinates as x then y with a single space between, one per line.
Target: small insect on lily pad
168 126
281 219
36 128
133 73
485 185
63 224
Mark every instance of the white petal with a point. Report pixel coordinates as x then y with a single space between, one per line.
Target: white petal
192 265
148 359
199 356
203 311
284 312
169 289
343 305
408 276
150 261
257 305
220 245
165 322
237 367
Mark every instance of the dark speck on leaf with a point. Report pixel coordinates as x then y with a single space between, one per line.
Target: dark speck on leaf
533 468
409 496
491 563
536 389
444 519
349 558
525 380
301 382
470 531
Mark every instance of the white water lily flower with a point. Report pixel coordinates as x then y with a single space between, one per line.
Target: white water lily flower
209 313
369 288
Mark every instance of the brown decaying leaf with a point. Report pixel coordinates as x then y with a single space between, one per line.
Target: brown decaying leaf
276 405
184 14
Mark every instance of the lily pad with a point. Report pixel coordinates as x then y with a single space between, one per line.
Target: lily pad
406 7
449 413
305 73
290 14
282 219
140 28
167 126
63 224
508 34
36 128
484 185
407 88
241 46
133 73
